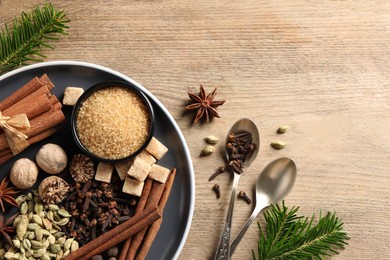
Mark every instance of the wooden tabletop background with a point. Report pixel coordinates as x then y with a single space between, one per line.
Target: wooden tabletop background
322 67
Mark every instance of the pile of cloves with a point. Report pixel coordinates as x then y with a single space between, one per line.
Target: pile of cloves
239 147
96 207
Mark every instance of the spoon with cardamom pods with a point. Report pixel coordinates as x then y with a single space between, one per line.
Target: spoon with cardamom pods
272 185
242 146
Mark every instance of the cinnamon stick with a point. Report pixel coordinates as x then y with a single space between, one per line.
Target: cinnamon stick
32 109
116 235
6 154
38 124
46 81
155 227
138 210
21 93
153 199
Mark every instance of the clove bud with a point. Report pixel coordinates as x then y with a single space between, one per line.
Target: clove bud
217 190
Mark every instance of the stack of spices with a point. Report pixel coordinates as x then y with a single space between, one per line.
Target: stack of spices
239 147
95 208
35 108
38 232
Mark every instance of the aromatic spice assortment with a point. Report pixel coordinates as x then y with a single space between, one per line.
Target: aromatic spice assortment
85 203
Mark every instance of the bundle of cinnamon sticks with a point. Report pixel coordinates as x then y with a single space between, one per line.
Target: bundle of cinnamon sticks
41 107
139 231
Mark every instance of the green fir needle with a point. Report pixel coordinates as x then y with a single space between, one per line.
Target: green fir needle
22 41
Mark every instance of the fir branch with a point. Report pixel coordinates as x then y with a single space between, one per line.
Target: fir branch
29 34
288 236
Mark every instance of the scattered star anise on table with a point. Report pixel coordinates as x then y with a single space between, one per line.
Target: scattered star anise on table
7 194
204 104
6 228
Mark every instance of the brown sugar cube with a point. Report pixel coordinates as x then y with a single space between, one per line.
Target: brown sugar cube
159 173
71 95
156 148
122 168
139 169
133 186
104 172
147 157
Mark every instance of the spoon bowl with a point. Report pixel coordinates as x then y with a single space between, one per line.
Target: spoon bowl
247 125
272 185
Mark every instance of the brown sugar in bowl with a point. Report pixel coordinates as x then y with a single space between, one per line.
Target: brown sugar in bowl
112 121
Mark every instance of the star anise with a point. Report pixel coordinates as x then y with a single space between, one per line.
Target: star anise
7 193
204 104
6 228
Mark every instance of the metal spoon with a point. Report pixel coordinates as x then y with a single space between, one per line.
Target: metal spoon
272 185
223 249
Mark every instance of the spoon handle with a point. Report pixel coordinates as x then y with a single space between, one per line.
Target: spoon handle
243 230
223 249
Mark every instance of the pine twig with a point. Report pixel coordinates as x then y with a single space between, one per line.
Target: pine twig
22 42
288 236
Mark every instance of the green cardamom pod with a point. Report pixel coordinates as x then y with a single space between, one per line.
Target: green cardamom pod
278 145
62 222
26 244
36 244
58 234
21 227
16 243
20 199
53 207
63 213
61 240
33 226
208 150
68 243
51 239
47 224
282 129
212 139
37 219
55 248
23 208
74 246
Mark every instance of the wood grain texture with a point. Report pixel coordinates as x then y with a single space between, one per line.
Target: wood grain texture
322 67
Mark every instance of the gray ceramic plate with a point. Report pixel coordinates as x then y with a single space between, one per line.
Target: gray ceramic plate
179 209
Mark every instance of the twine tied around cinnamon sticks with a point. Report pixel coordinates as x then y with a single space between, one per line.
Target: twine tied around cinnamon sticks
12 125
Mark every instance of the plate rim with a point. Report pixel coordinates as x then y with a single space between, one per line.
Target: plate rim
150 95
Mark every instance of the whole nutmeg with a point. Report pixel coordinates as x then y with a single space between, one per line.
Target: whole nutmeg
53 190
52 158
24 173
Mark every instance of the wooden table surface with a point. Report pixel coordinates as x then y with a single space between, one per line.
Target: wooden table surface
322 67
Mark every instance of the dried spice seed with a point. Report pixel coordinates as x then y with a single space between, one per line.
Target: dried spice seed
208 150
278 145
282 129
212 139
